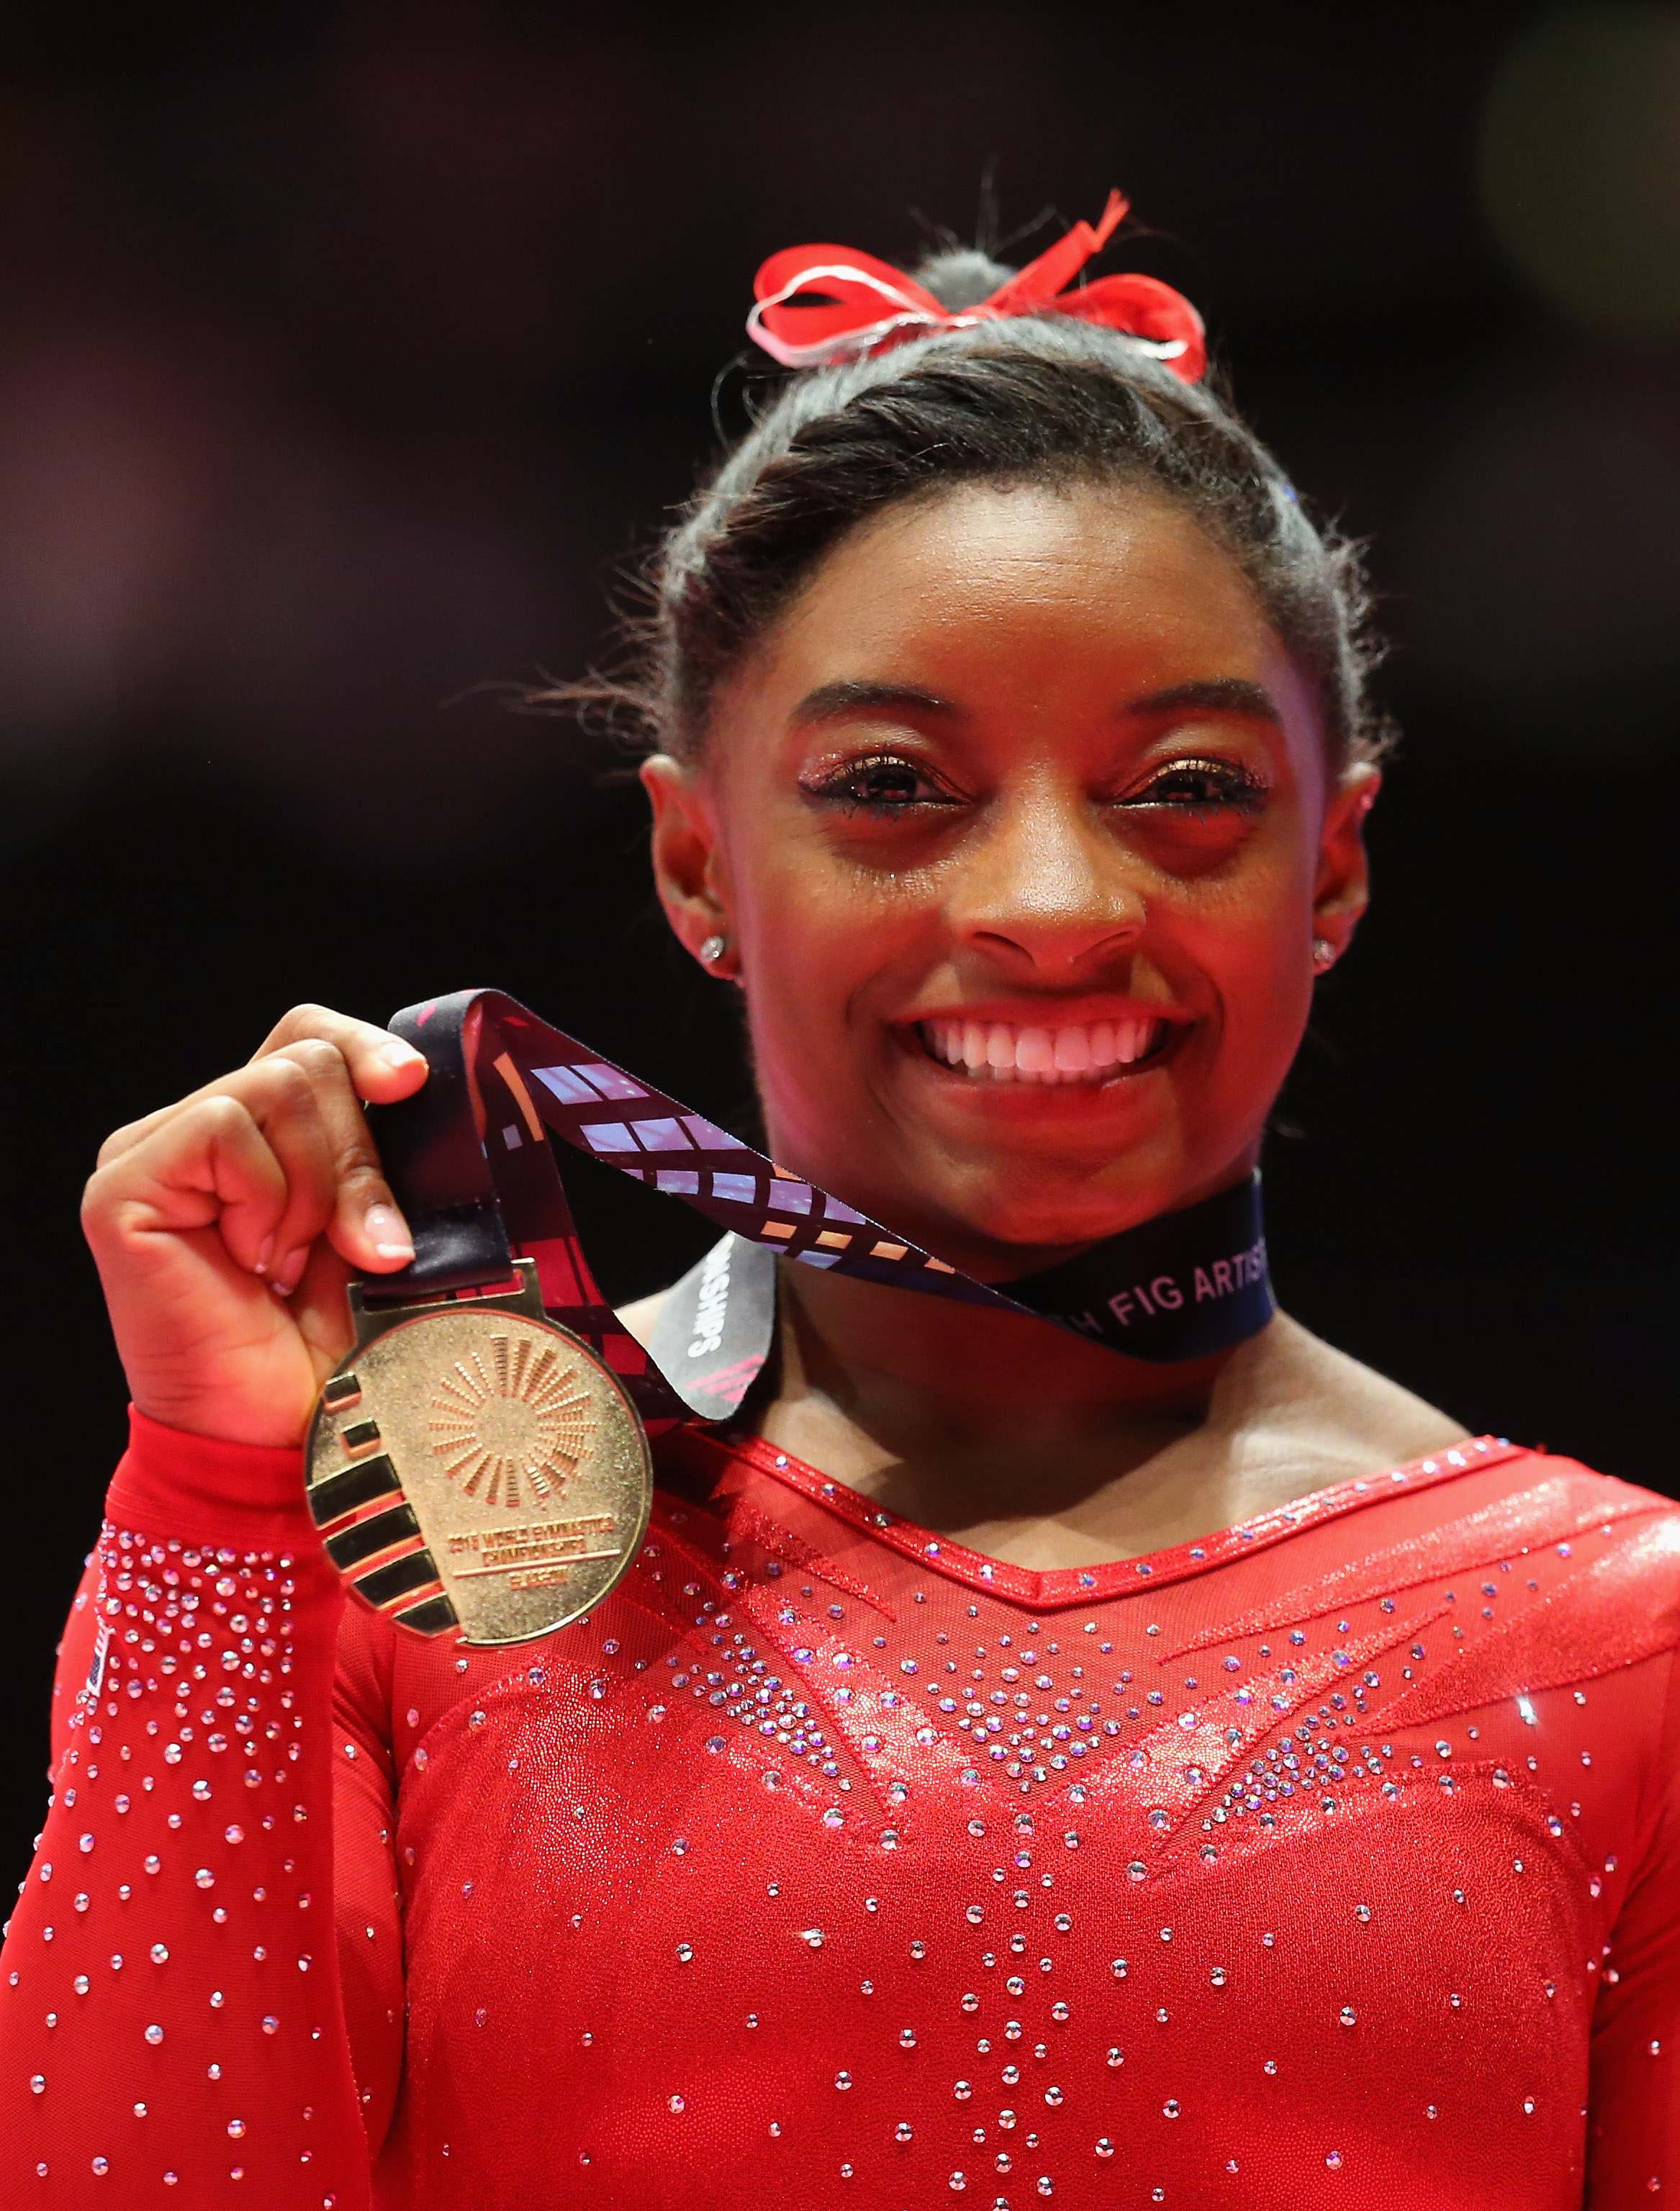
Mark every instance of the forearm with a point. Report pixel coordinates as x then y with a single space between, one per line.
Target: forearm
170 2002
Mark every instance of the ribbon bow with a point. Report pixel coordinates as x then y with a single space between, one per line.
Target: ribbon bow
867 304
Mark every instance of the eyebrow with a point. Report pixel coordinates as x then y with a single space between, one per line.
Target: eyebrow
1221 694
832 702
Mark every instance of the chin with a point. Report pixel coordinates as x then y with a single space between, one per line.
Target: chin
1040 1221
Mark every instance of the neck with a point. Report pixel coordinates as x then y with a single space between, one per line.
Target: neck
917 1380
1033 1446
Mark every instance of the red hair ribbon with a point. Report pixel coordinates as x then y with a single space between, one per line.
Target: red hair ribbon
867 304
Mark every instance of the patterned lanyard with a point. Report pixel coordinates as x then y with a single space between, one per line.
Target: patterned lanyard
1176 1287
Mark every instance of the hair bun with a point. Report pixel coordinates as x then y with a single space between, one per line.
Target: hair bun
961 278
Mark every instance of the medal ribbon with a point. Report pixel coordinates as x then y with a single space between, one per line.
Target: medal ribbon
1178 1286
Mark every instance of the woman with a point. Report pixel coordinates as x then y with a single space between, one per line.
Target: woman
1014 1768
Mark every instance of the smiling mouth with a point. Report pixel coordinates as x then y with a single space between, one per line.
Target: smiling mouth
1090 1053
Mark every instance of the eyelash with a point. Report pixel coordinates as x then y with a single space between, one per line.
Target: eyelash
842 787
1226 783
1233 785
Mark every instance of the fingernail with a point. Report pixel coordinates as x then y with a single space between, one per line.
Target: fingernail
265 1254
400 1054
388 1232
289 1273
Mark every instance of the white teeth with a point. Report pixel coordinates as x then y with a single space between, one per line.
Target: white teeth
1000 1051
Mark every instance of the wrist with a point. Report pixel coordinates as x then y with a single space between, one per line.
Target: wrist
259 1419
212 1488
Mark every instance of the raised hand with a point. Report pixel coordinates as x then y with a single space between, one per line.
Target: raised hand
226 1226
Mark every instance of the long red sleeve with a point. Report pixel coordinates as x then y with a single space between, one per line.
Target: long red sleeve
171 2013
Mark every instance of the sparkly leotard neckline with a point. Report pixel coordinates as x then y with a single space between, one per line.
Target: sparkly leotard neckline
1054 1589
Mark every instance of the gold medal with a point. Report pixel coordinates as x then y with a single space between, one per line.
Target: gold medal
473 1463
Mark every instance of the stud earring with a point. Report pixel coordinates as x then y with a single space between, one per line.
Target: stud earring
712 950
1324 954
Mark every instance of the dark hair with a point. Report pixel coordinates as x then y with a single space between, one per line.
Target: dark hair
1032 399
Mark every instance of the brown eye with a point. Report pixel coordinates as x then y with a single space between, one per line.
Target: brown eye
884 787
890 783
1202 786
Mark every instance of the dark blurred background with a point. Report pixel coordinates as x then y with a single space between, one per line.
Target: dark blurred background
348 355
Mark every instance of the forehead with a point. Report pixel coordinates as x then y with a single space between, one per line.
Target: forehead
1090 585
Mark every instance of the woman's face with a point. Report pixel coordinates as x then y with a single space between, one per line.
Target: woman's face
1019 829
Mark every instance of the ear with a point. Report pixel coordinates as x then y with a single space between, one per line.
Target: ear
690 870
1342 890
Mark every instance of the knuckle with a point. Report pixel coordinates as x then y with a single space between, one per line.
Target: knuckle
115 1144
319 1060
287 1083
306 1019
221 1115
96 1195
105 1195
355 1161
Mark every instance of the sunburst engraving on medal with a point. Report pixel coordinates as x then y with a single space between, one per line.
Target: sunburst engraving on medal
522 1416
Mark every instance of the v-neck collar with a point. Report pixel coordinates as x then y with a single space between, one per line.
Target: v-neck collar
1072 1585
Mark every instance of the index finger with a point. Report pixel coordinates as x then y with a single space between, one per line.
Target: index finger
382 1068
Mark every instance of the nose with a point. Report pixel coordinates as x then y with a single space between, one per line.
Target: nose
1046 889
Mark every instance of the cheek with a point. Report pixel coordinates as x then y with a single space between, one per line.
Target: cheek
810 920
811 937
1255 947
1242 928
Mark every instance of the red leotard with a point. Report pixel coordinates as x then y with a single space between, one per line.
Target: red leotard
1332 1861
